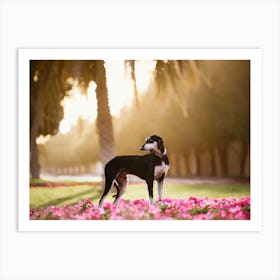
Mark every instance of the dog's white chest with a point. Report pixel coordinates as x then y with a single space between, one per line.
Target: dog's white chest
160 170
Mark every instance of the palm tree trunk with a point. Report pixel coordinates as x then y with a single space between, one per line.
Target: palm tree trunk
223 155
212 161
34 159
186 159
244 152
35 101
197 161
104 118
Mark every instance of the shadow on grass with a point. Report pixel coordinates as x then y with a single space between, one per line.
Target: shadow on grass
69 197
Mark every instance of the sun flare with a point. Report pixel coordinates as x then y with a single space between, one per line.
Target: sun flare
120 92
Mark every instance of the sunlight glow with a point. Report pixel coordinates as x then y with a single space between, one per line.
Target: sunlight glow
120 87
120 91
64 126
144 74
43 139
78 106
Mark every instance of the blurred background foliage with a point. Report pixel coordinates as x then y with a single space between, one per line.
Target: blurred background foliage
200 108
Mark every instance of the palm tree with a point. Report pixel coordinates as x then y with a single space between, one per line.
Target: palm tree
130 65
174 80
39 73
104 118
86 71
48 88
46 93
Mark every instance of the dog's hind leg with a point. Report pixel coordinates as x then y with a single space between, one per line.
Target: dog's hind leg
107 188
117 188
111 172
122 182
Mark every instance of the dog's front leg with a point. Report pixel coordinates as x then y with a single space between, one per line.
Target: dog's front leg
160 187
150 184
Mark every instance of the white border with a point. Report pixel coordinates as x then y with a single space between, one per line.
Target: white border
254 55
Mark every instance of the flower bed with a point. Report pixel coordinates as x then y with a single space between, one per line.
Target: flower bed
193 208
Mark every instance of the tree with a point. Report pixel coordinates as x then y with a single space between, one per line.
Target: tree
94 70
46 92
130 65
78 147
48 88
176 78
231 91
207 103
104 118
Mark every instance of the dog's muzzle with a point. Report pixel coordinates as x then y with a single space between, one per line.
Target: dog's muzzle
142 148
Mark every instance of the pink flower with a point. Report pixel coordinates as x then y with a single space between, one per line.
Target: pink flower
196 208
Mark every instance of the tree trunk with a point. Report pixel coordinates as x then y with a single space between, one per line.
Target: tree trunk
243 157
213 161
35 120
34 155
197 162
104 118
186 158
177 166
34 160
223 155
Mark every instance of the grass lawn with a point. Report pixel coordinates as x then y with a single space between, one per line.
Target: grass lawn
60 196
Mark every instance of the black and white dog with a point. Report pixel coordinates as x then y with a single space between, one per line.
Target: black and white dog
149 167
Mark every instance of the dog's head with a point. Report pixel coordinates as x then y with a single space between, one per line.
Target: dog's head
153 143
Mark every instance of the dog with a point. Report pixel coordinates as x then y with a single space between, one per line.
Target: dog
149 167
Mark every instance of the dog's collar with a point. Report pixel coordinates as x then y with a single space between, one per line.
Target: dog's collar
160 154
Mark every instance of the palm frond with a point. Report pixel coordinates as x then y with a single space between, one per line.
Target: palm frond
130 65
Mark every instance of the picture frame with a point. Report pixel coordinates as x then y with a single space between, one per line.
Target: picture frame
139 255
253 55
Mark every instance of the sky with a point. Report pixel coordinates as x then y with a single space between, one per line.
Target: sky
120 91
